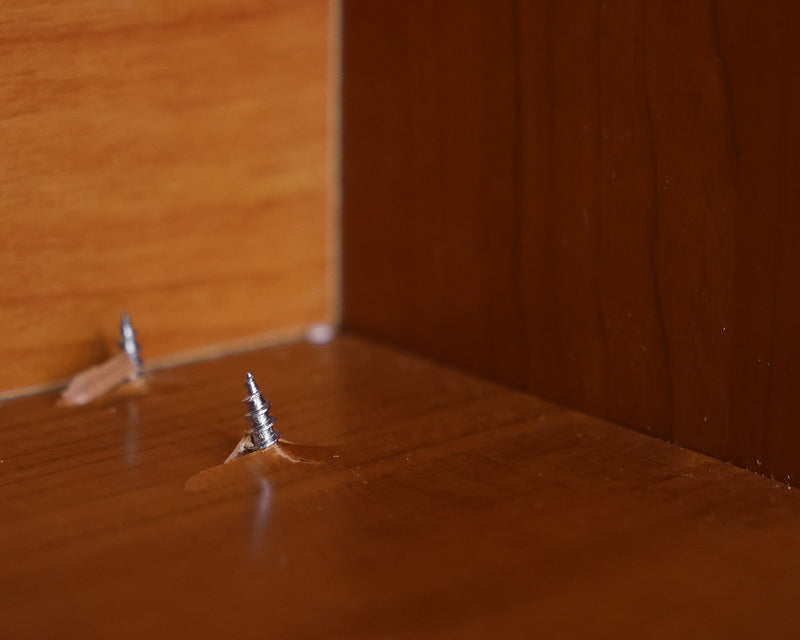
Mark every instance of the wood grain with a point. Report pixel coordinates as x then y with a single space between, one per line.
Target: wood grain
627 246
455 508
165 159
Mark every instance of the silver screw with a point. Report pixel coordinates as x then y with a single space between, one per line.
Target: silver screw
128 341
262 434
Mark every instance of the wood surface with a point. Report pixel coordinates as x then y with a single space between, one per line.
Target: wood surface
437 505
591 201
168 159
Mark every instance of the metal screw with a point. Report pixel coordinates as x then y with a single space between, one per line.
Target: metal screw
128 341
262 434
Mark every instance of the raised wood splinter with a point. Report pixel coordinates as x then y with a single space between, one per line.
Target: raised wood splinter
124 366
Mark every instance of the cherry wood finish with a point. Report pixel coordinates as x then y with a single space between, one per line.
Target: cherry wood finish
590 200
439 505
165 158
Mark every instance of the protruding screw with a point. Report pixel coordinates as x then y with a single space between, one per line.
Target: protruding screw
128 341
262 433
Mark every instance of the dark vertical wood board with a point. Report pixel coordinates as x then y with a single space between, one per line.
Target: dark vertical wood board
636 256
761 59
429 147
626 157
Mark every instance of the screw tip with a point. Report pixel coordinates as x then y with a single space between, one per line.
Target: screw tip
250 385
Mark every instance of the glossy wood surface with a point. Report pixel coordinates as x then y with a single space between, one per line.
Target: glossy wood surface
443 506
592 201
168 159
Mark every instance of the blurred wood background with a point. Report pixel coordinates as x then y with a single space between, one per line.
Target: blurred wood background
593 201
168 159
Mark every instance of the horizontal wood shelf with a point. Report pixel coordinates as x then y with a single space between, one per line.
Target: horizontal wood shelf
443 505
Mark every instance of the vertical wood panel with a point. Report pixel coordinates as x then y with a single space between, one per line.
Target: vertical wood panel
164 158
761 60
424 84
651 258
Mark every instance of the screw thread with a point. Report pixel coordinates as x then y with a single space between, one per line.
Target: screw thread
128 340
262 433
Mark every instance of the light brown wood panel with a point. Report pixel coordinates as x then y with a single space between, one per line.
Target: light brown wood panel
455 508
641 263
168 159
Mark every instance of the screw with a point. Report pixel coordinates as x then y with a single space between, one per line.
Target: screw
262 434
128 341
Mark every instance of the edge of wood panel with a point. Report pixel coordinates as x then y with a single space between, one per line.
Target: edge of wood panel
273 338
334 276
